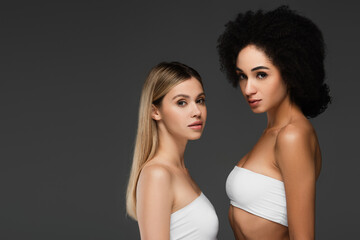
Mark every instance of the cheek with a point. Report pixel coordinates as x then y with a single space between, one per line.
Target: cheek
282 88
278 90
242 87
204 113
173 116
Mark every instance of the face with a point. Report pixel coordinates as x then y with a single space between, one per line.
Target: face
183 111
260 81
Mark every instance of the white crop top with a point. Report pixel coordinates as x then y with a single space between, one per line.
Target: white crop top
195 221
258 194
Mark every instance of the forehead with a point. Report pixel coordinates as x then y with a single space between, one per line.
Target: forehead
189 87
251 56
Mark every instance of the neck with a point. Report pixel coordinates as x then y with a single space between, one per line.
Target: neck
171 149
282 114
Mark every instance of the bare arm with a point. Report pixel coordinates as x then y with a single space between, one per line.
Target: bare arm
295 156
154 203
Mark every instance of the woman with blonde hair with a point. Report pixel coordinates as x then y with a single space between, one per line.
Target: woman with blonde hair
161 194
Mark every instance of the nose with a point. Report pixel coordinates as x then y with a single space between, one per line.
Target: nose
195 111
249 87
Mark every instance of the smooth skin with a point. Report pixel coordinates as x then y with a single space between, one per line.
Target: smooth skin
288 150
165 184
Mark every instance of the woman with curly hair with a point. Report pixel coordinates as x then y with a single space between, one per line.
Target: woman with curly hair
161 194
277 59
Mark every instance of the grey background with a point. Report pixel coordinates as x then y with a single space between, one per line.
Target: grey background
71 74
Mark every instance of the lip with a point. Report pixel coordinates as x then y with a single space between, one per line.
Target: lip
196 125
254 102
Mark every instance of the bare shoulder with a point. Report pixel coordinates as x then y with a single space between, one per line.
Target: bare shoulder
156 172
154 185
296 143
154 200
296 133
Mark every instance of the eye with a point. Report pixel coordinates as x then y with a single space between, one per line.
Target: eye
201 101
242 76
181 103
261 75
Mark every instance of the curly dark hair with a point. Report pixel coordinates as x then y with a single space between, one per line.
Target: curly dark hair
292 42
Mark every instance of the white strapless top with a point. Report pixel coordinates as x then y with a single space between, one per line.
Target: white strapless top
258 194
195 221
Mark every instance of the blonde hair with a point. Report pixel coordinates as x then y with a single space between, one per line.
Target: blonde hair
161 79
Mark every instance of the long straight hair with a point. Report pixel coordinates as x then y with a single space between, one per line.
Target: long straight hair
161 79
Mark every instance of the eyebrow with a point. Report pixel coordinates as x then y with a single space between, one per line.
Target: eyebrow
187 96
254 69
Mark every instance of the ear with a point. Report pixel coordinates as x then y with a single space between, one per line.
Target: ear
155 113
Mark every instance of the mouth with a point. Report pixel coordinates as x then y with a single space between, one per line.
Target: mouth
254 102
196 125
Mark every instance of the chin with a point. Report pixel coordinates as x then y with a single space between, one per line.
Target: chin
195 137
257 110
